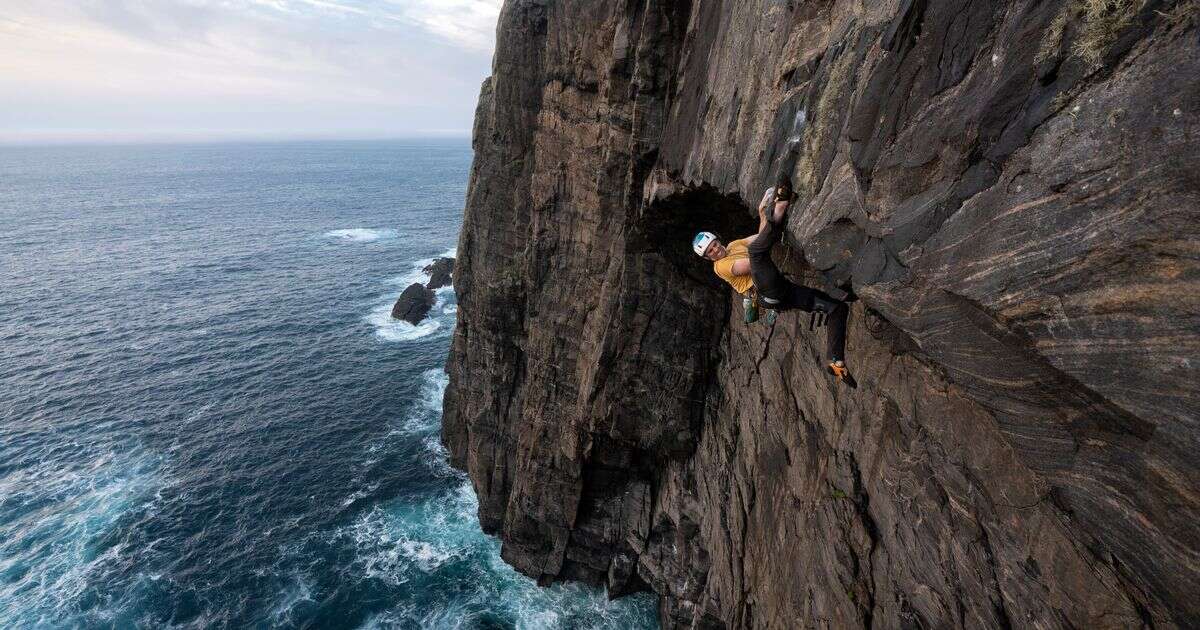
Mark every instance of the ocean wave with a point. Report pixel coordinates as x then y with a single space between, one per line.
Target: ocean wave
425 555
437 458
298 591
426 414
51 533
417 273
390 544
447 301
404 543
359 494
361 235
432 389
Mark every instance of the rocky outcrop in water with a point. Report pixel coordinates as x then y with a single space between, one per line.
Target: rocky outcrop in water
1011 192
414 303
417 300
440 272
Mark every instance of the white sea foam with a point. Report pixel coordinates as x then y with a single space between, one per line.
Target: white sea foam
416 272
418 423
426 417
405 541
361 493
426 414
438 459
361 235
391 544
433 388
416 275
389 329
393 541
397 542
425 555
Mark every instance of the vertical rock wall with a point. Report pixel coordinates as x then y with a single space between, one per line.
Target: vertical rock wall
1010 190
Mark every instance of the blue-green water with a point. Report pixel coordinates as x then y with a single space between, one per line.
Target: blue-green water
207 418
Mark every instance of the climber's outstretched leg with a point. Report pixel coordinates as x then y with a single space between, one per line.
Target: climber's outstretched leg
835 318
835 313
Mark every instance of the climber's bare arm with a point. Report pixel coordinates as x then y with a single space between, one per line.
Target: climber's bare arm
741 267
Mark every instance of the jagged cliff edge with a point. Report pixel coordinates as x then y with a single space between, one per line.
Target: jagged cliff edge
1012 192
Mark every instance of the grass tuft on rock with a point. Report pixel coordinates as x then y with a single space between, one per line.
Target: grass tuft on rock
1054 36
1103 21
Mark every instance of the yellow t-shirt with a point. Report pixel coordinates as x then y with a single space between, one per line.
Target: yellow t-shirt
737 250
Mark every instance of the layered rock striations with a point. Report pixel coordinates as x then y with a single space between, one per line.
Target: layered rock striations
1010 194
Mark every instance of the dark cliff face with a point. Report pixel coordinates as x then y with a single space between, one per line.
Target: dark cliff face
1011 190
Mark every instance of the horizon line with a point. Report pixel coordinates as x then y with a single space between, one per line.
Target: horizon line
220 138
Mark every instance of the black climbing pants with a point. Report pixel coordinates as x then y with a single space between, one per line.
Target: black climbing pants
777 292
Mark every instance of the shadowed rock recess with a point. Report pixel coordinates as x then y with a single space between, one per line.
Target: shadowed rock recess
1012 192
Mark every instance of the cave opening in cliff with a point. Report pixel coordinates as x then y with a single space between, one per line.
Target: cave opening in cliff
668 225
680 310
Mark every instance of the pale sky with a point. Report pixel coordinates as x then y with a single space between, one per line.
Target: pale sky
133 70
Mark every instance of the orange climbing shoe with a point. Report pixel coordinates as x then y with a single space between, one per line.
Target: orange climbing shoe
840 372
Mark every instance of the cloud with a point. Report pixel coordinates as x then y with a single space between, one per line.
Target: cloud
387 65
470 23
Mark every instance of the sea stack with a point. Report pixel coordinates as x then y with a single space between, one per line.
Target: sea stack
440 272
414 303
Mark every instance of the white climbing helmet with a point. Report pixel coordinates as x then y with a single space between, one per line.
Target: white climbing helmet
702 241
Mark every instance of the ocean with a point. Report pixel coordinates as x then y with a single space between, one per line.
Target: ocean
208 418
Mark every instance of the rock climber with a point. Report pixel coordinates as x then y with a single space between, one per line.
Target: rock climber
747 266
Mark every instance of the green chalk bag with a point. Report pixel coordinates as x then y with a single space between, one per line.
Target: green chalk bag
750 308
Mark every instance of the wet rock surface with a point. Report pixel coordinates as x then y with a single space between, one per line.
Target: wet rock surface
1010 190
414 303
440 271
